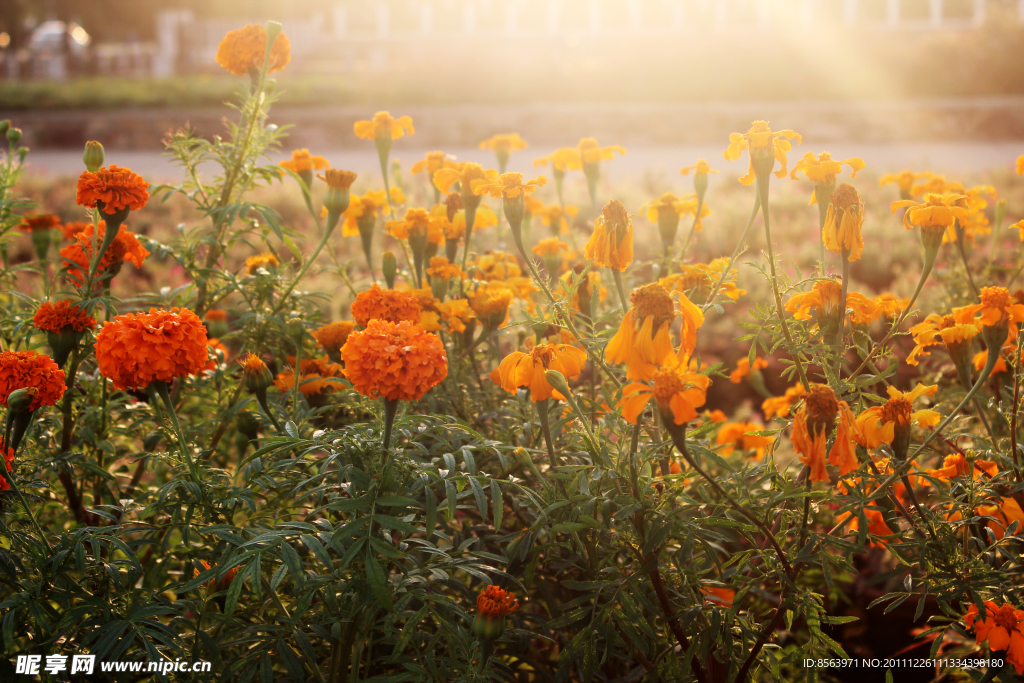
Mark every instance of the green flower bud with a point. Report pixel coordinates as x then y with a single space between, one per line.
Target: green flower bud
93 156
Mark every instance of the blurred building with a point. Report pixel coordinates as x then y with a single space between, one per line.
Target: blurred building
378 35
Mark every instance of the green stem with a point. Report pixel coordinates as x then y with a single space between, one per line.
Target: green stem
735 253
842 316
390 410
617 276
693 226
545 425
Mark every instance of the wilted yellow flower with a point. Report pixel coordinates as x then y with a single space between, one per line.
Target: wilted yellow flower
761 142
384 125
611 245
843 222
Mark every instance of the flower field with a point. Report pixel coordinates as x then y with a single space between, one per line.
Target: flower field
443 422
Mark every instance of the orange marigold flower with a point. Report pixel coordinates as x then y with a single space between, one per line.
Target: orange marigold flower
843 222
216 315
997 307
743 368
136 349
125 247
779 406
384 125
1004 513
385 304
363 209
981 358
224 583
956 465
955 330
611 245
304 162
677 391
39 222
332 336
1003 628
440 267
245 48
317 376
72 228
586 287
394 360
890 423
495 602
25 369
697 280
733 435
8 454
1020 168
876 524
113 187
718 595
54 316
520 369
218 354
812 425
824 297
265 260
643 341
761 140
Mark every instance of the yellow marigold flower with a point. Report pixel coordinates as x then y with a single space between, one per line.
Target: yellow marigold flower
265 260
904 180
245 48
733 435
1020 165
677 392
779 406
936 215
1019 225
843 223
824 296
559 159
611 245
557 218
507 142
485 218
384 125
490 304
956 465
812 425
417 225
589 152
468 175
643 340
700 167
696 280
890 305
520 369
669 205
551 246
508 186
585 290
761 140
863 309
496 266
981 358
890 423
998 308
363 209
744 368
456 314
434 161
823 169
956 328
303 161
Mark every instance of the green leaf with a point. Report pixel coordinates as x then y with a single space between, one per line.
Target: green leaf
378 581
497 503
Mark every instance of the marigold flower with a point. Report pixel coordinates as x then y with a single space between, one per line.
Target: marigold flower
557 218
507 142
814 421
1020 165
114 187
394 360
215 315
417 226
876 524
433 161
490 304
666 210
956 465
744 368
761 140
1003 628
54 316
455 230
468 175
677 391
28 369
245 48
643 341
363 211
1005 512
125 247
696 280
224 583
508 186
316 376
384 125
218 354
39 222
824 169
981 358
136 349
496 266
520 369
8 454
700 167
958 328
843 223
998 308
385 304
611 245
551 246
779 406
255 373
332 336
265 260
937 211
456 314
718 595
72 228
904 180
824 298
559 160
492 605
589 152
733 435
442 268
890 423
304 162
582 295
